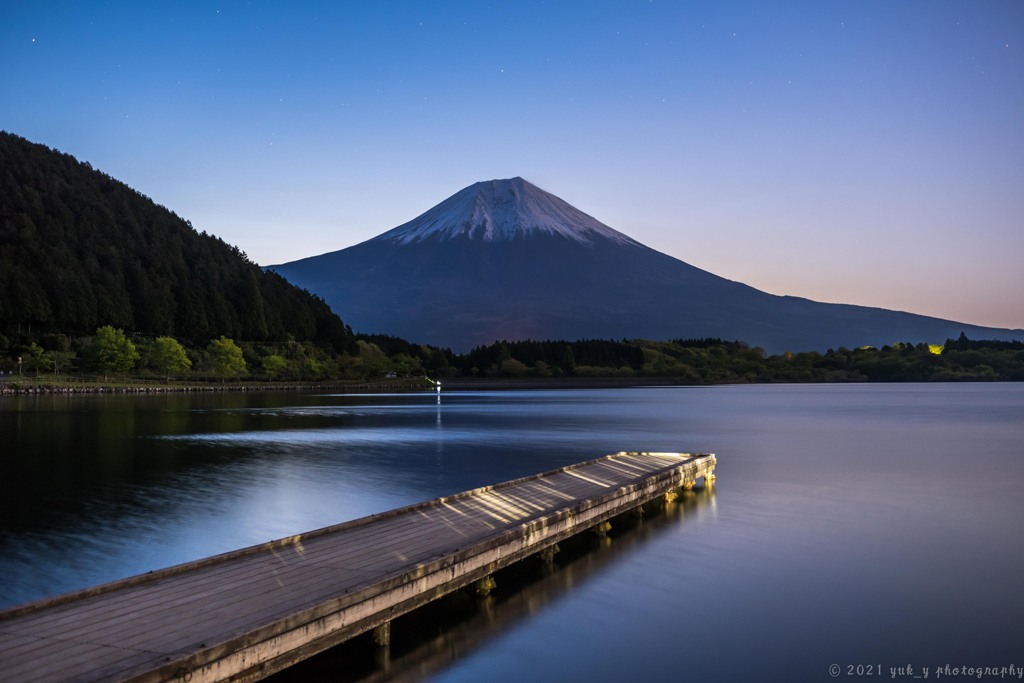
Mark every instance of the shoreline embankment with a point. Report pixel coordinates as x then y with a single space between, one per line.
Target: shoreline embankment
30 388
42 388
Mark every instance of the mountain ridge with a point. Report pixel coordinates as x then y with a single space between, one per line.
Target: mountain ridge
550 271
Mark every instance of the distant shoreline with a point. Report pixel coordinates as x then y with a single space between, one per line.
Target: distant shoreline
42 388
22 388
14 388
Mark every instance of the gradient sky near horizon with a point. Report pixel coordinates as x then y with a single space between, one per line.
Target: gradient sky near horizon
855 152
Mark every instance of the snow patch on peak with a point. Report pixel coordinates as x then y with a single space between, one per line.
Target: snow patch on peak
502 211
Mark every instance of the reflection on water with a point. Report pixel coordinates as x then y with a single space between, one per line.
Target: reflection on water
851 524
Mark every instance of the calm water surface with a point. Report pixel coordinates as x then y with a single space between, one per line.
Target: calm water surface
872 525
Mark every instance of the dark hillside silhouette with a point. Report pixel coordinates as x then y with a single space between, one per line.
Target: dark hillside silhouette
79 249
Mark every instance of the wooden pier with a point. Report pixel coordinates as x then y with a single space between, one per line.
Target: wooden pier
243 615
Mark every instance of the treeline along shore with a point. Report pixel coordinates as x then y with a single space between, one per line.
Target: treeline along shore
111 361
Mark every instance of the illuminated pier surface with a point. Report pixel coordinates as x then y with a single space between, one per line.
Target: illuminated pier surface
243 615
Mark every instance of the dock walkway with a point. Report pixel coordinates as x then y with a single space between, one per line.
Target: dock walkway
243 615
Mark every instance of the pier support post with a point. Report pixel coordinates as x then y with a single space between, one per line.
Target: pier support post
601 530
709 479
484 586
671 496
382 653
382 635
688 485
547 556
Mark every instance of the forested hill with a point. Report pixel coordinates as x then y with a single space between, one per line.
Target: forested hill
79 249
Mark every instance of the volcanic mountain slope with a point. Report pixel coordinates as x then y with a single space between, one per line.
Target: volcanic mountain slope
503 259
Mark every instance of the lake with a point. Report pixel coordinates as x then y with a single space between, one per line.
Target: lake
871 526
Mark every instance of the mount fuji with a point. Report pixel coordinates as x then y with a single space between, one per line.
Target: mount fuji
505 260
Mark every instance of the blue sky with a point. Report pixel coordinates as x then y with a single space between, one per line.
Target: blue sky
856 152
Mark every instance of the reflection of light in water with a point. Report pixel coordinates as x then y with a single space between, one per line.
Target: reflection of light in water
308 437
319 411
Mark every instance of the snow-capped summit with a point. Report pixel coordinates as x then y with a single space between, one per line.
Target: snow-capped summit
502 211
